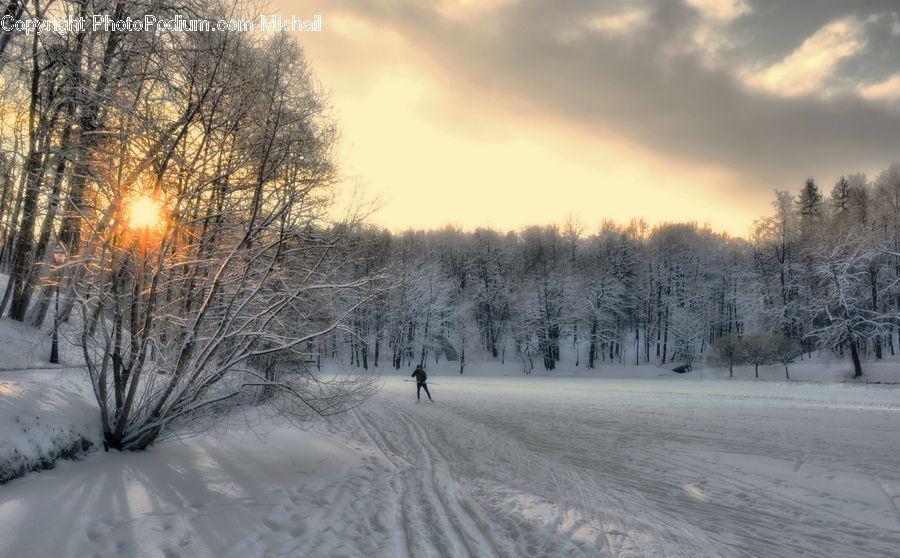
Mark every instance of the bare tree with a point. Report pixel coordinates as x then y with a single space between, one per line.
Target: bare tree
759 349
728 350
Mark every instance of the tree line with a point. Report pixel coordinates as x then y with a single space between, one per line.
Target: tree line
820 274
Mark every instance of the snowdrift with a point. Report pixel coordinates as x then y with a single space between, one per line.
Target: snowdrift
45 417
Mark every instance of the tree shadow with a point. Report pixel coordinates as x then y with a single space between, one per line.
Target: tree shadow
210 498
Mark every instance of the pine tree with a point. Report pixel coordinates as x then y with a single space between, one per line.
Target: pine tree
840 195
809 205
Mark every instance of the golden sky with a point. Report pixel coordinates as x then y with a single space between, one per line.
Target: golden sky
436 145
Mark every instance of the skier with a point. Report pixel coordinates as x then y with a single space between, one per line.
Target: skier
420 376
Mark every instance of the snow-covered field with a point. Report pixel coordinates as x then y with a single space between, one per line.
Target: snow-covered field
519 466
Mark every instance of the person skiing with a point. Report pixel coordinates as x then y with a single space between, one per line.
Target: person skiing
420 376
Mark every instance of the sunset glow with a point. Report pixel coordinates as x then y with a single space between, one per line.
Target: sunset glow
465 114
144 212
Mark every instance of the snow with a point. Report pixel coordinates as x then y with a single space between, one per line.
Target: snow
235 496
617 461
23 347
500 466
657 467
45 416
821 368
47 412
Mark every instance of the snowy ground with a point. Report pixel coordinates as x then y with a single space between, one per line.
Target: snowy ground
500 467
44 416
643 468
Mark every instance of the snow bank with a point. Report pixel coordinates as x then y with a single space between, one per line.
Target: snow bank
47 411
45 417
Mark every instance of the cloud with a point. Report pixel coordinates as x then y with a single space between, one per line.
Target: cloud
468 9
720 10
656 86
887 90
710 39
807 70
623 22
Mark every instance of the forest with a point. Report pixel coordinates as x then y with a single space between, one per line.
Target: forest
820 274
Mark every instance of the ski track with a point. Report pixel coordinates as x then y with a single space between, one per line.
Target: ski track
514 471
427 496
462 503
545 478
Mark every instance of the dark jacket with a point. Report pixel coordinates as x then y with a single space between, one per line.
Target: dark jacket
420 375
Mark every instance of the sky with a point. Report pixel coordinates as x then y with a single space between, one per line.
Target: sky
506 113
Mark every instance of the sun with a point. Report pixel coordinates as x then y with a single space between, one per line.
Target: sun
144 212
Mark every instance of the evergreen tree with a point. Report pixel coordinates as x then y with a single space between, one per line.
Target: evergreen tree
840 196
809 206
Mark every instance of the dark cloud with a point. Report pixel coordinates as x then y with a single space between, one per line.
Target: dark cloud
881 57
774 28
650 87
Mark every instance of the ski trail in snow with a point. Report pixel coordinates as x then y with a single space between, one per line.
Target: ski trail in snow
641 476
890 497
398 487
470 530
427 503
494 472
443 486
417 511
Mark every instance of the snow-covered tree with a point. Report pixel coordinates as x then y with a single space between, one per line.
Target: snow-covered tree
205 250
